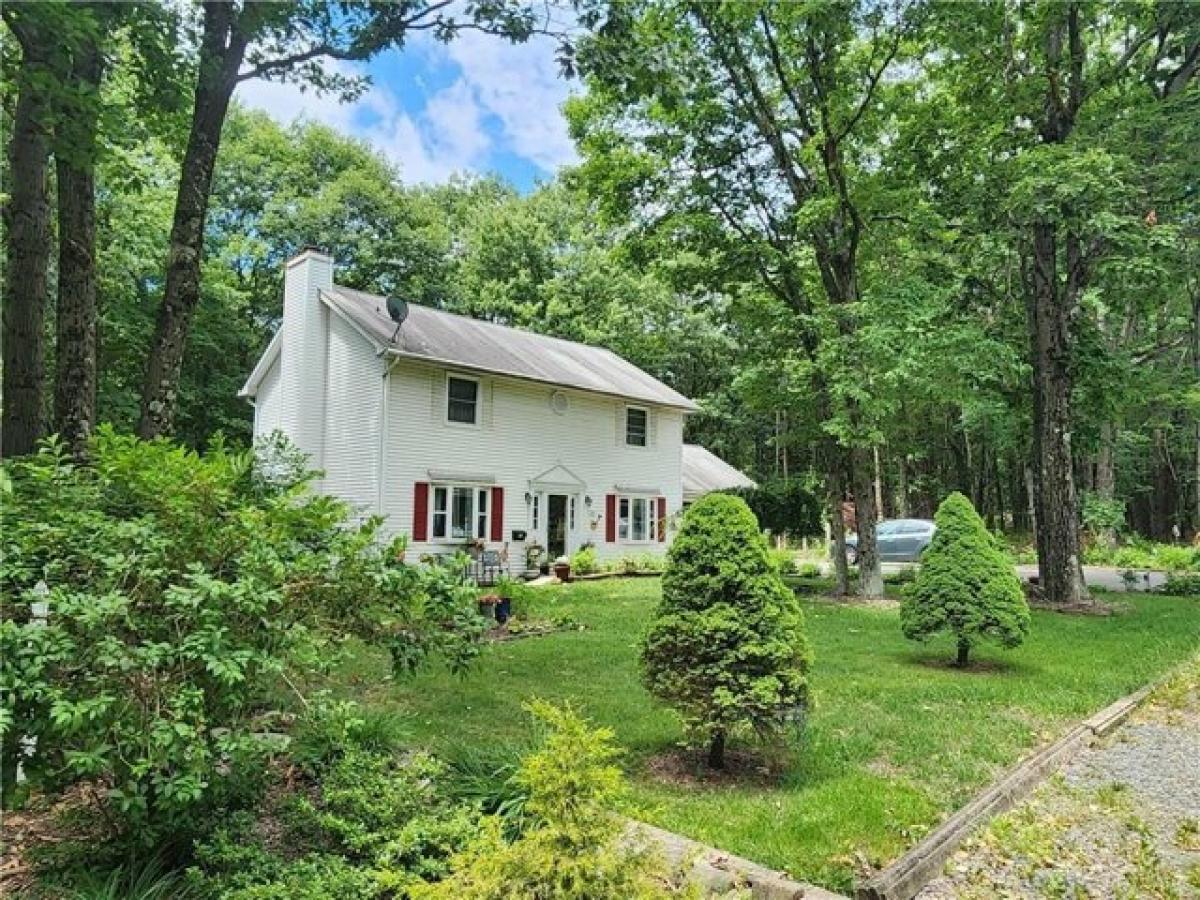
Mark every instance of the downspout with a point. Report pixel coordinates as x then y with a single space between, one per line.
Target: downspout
383 427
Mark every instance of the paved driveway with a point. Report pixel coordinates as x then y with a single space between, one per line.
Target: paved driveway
1104 577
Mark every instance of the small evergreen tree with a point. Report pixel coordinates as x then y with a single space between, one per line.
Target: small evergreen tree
726 646
966 585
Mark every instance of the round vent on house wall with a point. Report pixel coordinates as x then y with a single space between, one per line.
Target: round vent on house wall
559 402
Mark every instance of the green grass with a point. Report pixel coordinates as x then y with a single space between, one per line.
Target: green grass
896 741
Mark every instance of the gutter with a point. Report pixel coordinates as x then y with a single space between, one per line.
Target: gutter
688 407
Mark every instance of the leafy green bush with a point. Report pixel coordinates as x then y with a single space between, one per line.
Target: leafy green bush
1171 558
808 570
726 646
791 507
906 575
584 561
1182 585
1143 554
573 847
966 585
636 564
181 590
1100 515
328 727
783 561
387 811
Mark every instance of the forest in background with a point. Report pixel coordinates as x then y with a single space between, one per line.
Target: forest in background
893 250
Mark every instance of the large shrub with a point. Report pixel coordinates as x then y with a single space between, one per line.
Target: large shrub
966 585
183 590
726 646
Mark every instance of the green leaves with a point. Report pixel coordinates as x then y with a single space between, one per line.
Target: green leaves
186 591
726 647
966 585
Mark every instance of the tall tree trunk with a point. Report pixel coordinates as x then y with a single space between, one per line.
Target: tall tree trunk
870 573
1057 506
836 490
1031 494
27 252
878 469
221 52
902 488
75 375
1196 369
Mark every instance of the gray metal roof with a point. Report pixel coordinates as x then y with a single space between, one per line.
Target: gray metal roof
442 337
705 472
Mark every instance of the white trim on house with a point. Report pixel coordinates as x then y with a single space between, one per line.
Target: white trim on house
259 372
447 475
626 504
478 517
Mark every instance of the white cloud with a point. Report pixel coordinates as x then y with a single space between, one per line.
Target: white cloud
506 97
520 85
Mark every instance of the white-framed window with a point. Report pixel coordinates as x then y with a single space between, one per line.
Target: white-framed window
571 514
635 519
537 509
481 514
462 400
440 506
459 512
637 420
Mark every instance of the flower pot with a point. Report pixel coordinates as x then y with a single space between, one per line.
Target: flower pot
562 571
488 604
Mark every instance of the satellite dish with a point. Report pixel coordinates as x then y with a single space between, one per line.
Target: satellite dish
398 310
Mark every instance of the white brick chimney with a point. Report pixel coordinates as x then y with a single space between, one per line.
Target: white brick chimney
303 351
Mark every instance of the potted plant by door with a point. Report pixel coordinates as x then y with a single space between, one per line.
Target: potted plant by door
488 605
533 558
562 569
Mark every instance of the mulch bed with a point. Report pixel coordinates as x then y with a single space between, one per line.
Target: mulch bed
687 768
500 633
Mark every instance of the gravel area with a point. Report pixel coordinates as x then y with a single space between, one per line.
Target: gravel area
1121 820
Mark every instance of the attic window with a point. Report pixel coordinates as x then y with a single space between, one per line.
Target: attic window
462 400
635 426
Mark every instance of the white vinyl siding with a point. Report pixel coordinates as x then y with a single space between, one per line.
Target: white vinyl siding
353 406
520 438
267 403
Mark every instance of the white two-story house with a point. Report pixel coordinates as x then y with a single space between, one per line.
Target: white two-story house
458 430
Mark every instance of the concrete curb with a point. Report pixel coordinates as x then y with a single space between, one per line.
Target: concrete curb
719 872
904 878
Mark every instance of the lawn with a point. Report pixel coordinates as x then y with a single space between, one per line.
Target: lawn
896 740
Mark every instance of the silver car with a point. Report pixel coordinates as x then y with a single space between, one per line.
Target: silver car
899 540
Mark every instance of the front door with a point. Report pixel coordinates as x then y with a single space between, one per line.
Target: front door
556 525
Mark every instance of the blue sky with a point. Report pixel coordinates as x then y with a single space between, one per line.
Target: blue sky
478 104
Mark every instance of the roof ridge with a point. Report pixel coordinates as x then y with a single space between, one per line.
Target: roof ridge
485 322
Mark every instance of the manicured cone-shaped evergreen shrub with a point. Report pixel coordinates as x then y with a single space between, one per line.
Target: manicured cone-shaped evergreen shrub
726 646
966 585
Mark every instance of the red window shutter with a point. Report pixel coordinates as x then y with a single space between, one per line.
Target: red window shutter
662 518
497 514
610 518
420 529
